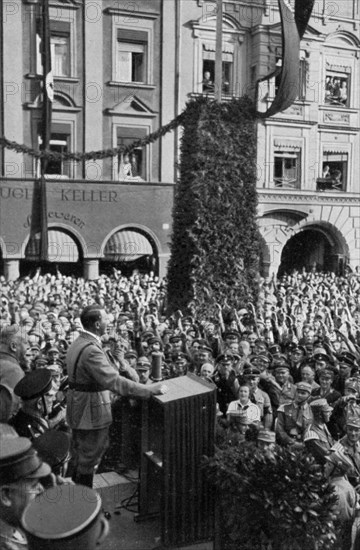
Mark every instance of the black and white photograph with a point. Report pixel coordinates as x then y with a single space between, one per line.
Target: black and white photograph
180 274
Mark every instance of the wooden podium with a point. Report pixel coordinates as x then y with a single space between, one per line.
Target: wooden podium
178 429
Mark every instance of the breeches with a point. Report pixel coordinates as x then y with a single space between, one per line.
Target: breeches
88 448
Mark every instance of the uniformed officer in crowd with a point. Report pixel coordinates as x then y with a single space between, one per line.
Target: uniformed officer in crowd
37 397
350 444
317 438
143 368
225 380
239 425
348 405
294 417
257 396
53 447
326 378
337 468
21 471
69 517
13 347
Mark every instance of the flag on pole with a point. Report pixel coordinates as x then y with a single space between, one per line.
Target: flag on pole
293 24
48 98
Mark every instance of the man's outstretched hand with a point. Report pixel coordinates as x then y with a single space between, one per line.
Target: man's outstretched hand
159 388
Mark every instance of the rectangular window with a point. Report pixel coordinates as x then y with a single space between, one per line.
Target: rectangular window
60 54
133 165
334 172
208 83
60 141
303 69
337 89
131 56
287 172
60 47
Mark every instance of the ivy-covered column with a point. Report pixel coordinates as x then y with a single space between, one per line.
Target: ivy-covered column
215 240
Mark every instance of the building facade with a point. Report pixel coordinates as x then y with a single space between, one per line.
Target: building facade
124 69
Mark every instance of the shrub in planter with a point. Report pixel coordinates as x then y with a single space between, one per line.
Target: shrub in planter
278 499
215 240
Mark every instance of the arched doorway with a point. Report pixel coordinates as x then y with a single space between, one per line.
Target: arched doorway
312 248
64 254
130 249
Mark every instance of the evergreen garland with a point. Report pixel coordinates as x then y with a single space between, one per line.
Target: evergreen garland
215 241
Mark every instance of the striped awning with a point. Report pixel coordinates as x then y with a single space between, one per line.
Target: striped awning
284 144
61 249
127 246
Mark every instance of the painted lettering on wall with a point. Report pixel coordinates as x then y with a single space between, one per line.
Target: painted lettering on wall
89 195
52 215
16 193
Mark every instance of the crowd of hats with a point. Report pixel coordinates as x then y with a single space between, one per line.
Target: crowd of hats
314 316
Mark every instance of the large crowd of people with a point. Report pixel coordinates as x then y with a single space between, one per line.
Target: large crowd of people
286 370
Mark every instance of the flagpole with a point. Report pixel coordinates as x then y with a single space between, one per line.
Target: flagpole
48 93
218 51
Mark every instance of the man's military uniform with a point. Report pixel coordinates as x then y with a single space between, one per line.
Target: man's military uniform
34 385
50 521
18 461
92 378
27 425
352 451
227 389
318 440
292 421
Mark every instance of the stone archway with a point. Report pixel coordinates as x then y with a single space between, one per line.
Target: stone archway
330 247
315 246
64 253
130 248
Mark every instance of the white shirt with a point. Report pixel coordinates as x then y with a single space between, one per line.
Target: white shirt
252 411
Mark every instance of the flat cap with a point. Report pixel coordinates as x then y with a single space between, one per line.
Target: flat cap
225 357
279 360
232 335
34 384
143 363
154 340
267 436
205 347
58 515
345 359
259 358
320 405
353 421
275 349
304 386
53 446
320 354
281 366
18 460
251 371
131 353
351 384
178 355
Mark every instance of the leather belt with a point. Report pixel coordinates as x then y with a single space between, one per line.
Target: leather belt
90 388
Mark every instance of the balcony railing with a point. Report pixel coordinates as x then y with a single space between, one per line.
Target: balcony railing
287 183
329 184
